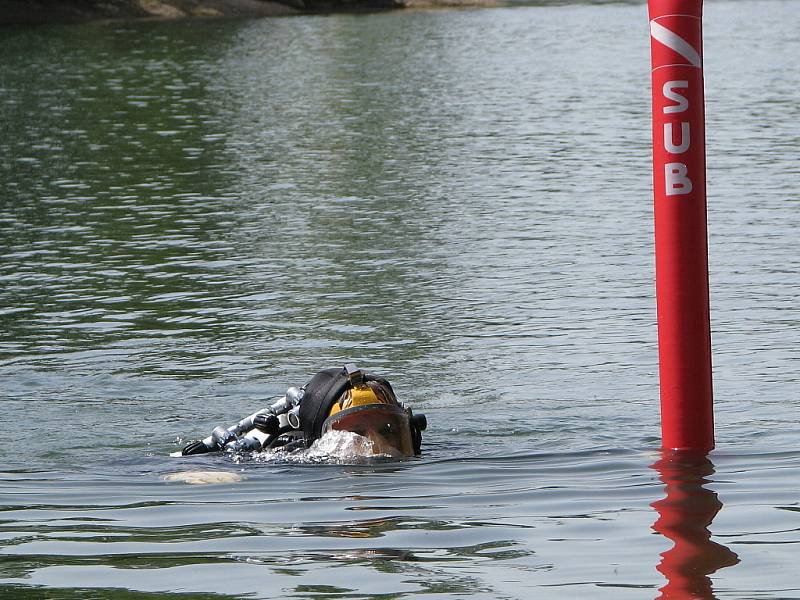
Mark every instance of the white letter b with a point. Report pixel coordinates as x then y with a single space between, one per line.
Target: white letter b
676 181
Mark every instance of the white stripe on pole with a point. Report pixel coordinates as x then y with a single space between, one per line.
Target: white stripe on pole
672 40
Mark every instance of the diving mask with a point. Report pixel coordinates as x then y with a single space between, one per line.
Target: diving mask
387 426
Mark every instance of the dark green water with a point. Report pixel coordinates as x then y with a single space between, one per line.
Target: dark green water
194 216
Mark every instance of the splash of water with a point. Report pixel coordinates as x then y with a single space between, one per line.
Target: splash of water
336 447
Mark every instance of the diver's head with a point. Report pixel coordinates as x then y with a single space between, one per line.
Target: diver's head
371 410
349 400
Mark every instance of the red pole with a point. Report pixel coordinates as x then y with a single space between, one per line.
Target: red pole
679 173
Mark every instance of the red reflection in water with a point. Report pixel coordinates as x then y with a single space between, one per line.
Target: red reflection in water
684 516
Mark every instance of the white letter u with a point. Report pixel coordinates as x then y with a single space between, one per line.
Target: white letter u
684 143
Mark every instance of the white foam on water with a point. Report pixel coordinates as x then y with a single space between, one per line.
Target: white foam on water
337 447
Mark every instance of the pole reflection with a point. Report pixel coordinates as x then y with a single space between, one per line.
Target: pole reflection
684 515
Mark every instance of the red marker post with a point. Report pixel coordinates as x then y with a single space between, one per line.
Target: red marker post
679 180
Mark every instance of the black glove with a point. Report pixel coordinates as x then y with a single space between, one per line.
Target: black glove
197 447
266 422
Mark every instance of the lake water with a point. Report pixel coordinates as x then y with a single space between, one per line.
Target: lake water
195 216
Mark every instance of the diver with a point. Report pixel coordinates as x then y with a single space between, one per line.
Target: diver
345 399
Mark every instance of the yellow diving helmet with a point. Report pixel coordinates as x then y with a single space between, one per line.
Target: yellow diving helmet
349 400
370 410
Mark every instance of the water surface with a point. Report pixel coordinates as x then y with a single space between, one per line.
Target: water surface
195 216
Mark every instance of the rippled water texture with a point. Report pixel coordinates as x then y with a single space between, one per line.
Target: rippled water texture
195 216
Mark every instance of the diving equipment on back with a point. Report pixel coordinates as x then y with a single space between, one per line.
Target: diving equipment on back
338 399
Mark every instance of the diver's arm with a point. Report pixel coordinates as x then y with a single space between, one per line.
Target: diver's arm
222 436
251 432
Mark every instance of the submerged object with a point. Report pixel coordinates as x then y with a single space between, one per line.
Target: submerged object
202 477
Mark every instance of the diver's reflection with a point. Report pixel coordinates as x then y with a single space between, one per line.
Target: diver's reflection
684 515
